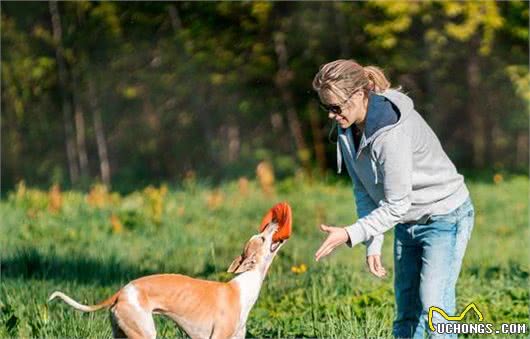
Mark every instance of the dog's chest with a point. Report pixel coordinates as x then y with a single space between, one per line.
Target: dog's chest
249 284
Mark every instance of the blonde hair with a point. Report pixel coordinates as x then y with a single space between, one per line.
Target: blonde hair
344 77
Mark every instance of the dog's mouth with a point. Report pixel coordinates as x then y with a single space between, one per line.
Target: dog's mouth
276 245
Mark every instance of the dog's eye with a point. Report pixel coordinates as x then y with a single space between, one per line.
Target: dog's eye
262 239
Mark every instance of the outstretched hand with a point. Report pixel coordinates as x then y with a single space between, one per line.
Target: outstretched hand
336 237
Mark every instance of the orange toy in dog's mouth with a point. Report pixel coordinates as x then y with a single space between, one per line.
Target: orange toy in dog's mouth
280 213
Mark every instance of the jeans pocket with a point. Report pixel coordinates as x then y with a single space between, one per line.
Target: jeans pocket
466 223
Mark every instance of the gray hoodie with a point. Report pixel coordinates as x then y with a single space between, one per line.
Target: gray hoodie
400 172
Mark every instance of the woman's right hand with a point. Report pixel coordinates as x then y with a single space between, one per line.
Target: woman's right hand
374 265
336 237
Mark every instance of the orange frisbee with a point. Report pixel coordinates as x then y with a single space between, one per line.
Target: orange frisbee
280 213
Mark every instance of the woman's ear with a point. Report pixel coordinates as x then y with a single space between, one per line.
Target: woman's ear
361 94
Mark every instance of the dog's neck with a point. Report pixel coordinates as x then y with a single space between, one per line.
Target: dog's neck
249 284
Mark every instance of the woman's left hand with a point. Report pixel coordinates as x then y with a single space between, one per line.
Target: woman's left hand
374 265
336 237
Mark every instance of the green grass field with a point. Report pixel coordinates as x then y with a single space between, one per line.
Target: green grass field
90 245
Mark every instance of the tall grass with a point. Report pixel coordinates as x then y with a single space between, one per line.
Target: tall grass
89 245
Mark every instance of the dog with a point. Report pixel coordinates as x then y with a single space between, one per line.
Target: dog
202 308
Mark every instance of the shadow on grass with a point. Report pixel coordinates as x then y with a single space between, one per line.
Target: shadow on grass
29 263
512 270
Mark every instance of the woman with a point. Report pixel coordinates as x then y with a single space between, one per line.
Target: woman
401 177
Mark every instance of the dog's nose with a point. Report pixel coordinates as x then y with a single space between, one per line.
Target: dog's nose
270 228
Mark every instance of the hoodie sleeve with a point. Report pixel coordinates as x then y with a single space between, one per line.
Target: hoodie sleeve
365 205
394 158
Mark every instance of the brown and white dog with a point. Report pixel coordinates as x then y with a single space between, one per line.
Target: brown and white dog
203 309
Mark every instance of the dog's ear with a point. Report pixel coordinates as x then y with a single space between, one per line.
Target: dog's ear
235 264
247 260
240 264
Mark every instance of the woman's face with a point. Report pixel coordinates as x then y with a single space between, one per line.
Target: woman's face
345 112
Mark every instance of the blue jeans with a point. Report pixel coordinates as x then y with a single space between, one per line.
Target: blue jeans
427 261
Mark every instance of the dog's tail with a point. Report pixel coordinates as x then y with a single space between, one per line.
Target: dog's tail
84 308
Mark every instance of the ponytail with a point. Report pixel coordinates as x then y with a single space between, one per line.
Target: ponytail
377 81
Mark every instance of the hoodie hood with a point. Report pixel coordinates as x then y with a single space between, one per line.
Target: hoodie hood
381 113
385 111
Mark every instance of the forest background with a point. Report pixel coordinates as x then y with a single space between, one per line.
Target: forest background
136 93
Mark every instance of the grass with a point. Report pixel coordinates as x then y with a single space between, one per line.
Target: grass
90 245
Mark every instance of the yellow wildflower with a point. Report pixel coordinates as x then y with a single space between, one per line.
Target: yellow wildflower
302 268
117 226
498 178
55 199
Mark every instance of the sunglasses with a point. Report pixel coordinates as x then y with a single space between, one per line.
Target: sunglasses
335 109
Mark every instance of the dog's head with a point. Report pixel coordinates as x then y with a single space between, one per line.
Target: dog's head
259 251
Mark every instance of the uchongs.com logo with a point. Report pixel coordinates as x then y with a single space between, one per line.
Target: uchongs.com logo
454 324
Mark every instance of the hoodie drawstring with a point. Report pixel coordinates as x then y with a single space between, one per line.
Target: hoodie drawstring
349 142
339 158
374 169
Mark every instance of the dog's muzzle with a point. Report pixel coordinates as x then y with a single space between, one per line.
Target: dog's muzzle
276 245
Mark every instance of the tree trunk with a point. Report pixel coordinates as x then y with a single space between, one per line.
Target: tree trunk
203 105
174 17
342 32
79 120
234 142
282 79
318 139
104 166
521 150
66 106
153 121
477 121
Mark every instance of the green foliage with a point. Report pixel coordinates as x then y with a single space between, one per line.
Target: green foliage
199 229
476 15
